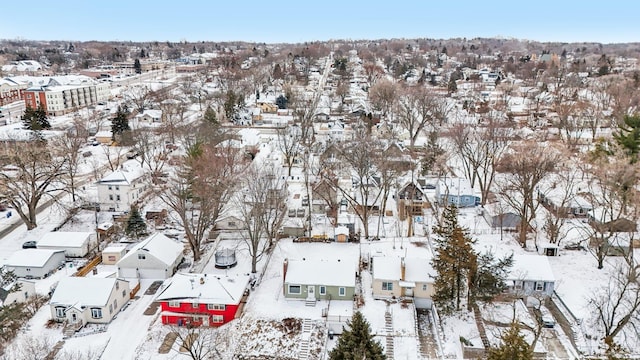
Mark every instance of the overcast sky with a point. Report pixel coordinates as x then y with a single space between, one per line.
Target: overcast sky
307 20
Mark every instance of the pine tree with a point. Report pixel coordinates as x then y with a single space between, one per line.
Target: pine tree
35 119
454 260
210 117
136 226
120 124
487 277
628 137
137 66
513 346
357 342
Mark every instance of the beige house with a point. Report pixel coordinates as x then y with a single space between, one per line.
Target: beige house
81 300
396 277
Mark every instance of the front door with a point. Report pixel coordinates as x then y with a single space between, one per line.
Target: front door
74 318
205 321
311 292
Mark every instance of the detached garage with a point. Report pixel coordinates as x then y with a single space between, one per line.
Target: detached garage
74 244
34 263
156 257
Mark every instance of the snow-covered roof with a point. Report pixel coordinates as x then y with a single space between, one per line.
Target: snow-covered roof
342 230
455 187
87 291
335 272
387 268
125 176
153 113
160 246
204 288
65 239
531 267
418 269
31 257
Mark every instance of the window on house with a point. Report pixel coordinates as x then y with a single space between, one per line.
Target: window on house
115 303
110 197
323 290
96 313
117 285
539 286
217 318
342 291
117 188
110 309
232 223
295 289
59 312
216 306
424 287
141 256
124 293
117 197
387 286
195 305
110 187
174 304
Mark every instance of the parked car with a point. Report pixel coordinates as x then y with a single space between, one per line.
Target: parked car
547 319
29 245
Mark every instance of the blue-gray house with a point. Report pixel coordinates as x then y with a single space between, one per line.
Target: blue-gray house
456 191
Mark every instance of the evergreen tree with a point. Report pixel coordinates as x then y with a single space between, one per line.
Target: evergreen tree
454 260
35 119
357 342
210 116
281 102
137 66
120 123
136 226
513 346
628 137
487 277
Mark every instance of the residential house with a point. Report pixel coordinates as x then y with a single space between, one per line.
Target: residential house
411 201
104 137
398 156
150 116
603 220
323 193
81 300
313 280
202 299
229 223
531 275
74 244
560 203
156 257
35 263
341 234
500 216
122 188
396 277
456 191
26 289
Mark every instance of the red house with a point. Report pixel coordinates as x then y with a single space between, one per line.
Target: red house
201 299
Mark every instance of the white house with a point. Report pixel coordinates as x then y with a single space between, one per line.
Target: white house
122 188
531 275
26 289
150 116
82 300
74 244
35 263
156 257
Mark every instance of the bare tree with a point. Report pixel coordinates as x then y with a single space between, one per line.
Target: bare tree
261 206
383 95
139 97
114 156
198 343
69 144
524 167
33 175
289 144
151 151
417 108
199 190
616 307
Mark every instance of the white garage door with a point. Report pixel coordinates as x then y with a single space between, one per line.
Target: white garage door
153 274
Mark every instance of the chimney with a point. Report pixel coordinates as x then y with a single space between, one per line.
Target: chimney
402 268
285 266
201 280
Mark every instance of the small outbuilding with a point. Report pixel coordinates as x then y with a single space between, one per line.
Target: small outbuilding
112 254
35 263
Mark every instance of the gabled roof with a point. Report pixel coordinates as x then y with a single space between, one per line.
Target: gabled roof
158 245
31 257
65 238
124 176
531 267
85 291
204 288
336 272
